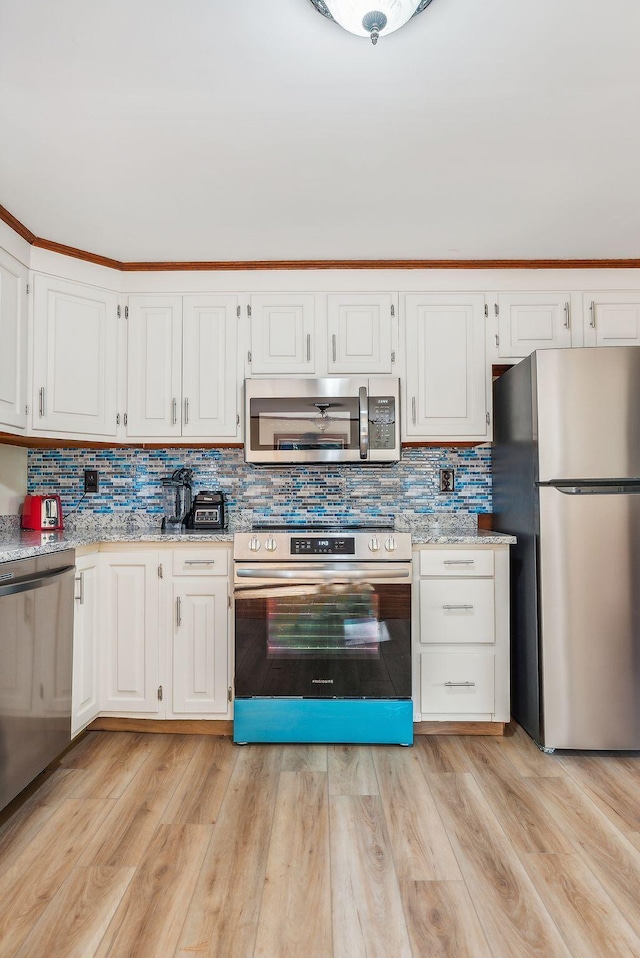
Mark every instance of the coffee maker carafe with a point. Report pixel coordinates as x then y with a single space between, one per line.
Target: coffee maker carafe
176 493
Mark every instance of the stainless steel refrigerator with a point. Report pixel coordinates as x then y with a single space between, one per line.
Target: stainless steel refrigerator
566 482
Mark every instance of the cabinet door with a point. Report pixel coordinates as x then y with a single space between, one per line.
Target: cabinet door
612 319
154 366
209 363
528 321
282 334
74 358
13 336
446 384
130 640
200 646
360 333
85 698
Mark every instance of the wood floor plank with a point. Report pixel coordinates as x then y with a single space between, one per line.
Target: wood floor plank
223 916
442 921
351 770
526 821
587 918
615 791
30 882
421 848
440 754
79 914
148 921
295 915
505 900
368 919
525 755
110 763
304 758
202 787
26 821
126 833
611 856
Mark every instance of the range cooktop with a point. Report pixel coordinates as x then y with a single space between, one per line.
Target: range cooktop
321 527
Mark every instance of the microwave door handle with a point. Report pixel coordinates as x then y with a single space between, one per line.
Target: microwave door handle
363 401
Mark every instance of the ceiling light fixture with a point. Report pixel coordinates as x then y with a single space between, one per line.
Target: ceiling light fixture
357 17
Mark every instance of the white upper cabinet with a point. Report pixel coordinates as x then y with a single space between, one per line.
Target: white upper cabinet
361 333
283 333
74 358
446 372
528 321
182 367
612 319
154 366
13 336
209 359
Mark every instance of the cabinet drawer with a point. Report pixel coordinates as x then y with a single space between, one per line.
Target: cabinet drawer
201 562
457 682
457 610
456 562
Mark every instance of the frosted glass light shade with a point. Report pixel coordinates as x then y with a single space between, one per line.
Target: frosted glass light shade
350 14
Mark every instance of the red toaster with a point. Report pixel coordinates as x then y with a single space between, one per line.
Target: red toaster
42 513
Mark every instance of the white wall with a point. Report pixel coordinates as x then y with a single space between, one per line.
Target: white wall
13 479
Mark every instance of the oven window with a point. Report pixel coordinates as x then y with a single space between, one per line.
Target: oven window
310 422
334 640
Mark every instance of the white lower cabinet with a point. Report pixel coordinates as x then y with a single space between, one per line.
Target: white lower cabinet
130 646
461 633
151 633
85 697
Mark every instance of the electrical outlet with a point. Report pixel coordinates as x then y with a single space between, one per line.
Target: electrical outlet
447 480
91 480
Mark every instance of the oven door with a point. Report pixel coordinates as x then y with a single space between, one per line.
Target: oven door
323 630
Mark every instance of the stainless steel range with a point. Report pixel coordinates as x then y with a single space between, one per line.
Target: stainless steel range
323 635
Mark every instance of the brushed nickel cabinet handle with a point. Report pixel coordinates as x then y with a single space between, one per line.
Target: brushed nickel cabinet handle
458 561
455 607
459 685
592 321
80 595
308 347
178 612
174 412
41 401
199 561
333 347
413 410
566 316
186 411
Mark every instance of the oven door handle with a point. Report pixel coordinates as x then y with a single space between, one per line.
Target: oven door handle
363 403
323 574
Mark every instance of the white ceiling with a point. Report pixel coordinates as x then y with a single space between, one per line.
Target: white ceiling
258 129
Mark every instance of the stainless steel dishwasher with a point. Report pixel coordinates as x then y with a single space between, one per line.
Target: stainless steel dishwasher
36 649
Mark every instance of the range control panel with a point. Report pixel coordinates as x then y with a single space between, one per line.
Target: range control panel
382 422
331 546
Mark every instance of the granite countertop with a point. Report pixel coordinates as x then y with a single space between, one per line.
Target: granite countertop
23 545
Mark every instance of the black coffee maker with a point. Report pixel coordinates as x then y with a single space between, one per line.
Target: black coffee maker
207 511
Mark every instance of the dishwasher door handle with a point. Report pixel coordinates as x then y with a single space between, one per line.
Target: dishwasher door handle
35 582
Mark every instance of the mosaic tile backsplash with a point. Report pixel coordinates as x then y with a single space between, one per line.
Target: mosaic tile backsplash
129 482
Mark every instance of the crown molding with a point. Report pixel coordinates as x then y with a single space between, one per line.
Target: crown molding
297 264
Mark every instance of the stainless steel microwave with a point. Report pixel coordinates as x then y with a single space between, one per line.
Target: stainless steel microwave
322 420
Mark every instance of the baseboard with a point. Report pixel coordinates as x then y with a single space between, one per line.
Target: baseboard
458 728
225 726
179 726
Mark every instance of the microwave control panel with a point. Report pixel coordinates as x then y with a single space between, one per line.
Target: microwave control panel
382 422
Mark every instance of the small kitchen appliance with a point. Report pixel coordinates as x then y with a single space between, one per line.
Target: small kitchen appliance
42 513
207 511
176 492
323 635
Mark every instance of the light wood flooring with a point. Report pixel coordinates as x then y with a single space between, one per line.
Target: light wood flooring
162 845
